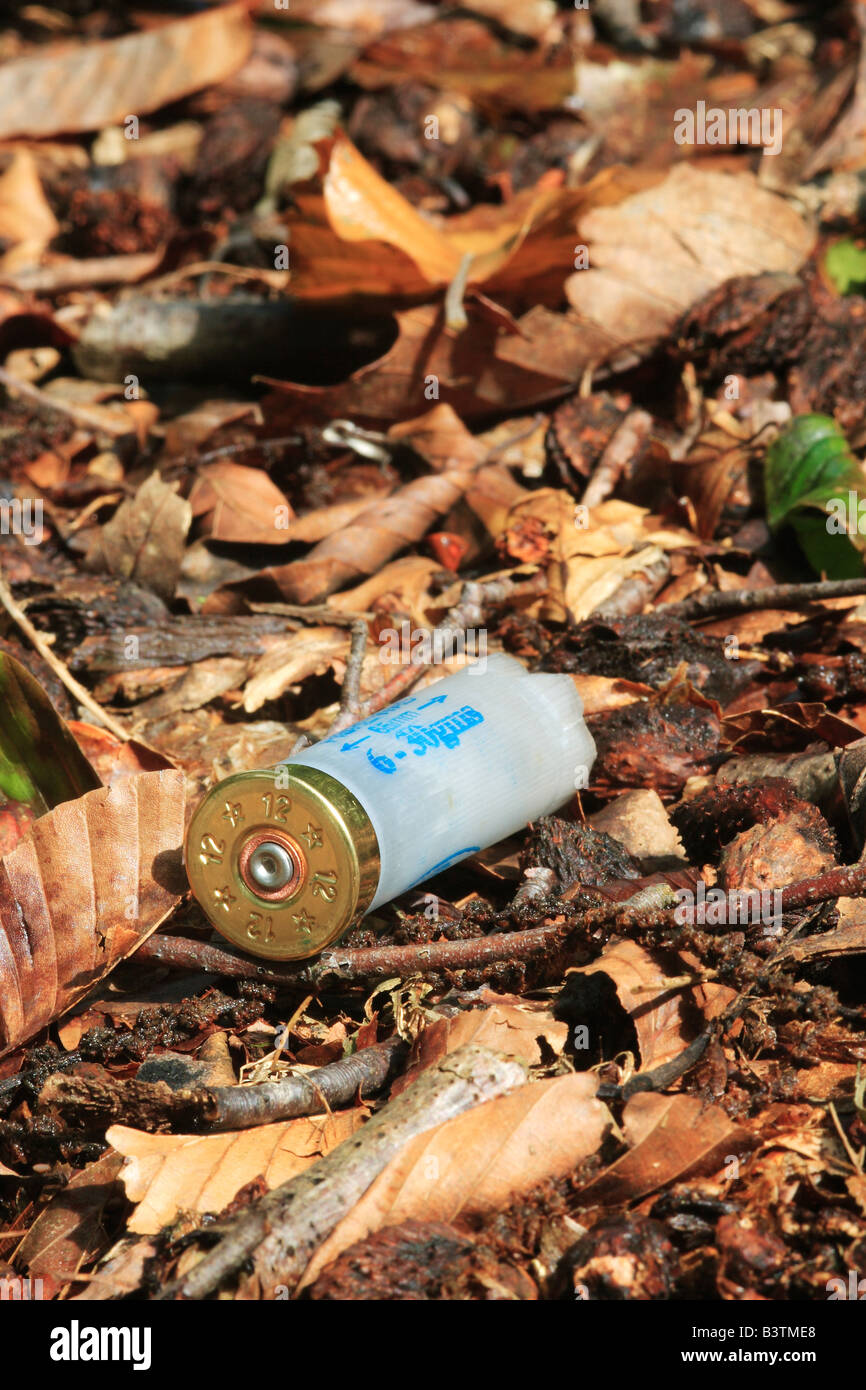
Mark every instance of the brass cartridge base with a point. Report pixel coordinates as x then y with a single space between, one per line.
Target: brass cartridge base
282 860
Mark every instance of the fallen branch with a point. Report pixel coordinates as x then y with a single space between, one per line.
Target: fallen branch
155 1107
720 605
368 963
79 415
383 962
620 450
350 695
281 1231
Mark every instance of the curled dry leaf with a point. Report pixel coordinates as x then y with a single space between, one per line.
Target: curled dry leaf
240 504
671 1137
71 1229
95 85
476 1162
168 1173
93 878
307 653
656 253
361 236
144 540
659 1014
463 55
371 539
588 553
366 17
26 220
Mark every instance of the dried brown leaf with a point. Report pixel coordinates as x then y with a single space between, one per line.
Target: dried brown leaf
506 1028
670 1137
26 219
472 367
476 1162
368 17
307 653
659 1014
240 504
371 539
657 252
90 86
70 1229
145 538
91 880
168 1173
462 55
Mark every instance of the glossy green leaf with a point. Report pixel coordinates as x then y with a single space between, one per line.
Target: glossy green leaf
815 486
845 263
41 765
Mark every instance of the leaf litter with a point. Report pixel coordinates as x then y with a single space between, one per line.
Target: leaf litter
386 320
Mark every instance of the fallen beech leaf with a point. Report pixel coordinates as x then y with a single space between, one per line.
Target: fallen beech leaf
505 1028
369 17
462 55
531 17
370 539
113 758
70 1230
122 1274
402 584
589 553
361 236
657 252
144 540
471 367
26 219
600 693
442 440
240 504
362 206
307 653
168 1173
324 521
91 880
658 1013
95 85
670 1137
476 1162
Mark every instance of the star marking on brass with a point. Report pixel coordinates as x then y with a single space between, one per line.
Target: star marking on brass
224 897
304 920
313 836
233 813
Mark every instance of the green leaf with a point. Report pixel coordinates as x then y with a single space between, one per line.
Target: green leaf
41 765
845 263
815 485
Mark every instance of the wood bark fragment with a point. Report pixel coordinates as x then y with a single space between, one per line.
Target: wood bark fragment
281 1231
720 605
155 1107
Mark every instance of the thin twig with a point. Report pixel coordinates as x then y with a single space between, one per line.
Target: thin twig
228 450
284 1228
350 696
368 963
621 449
78 414
716 605
96 1102
37 640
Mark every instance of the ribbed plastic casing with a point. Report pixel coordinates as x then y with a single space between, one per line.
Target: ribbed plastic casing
464 763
